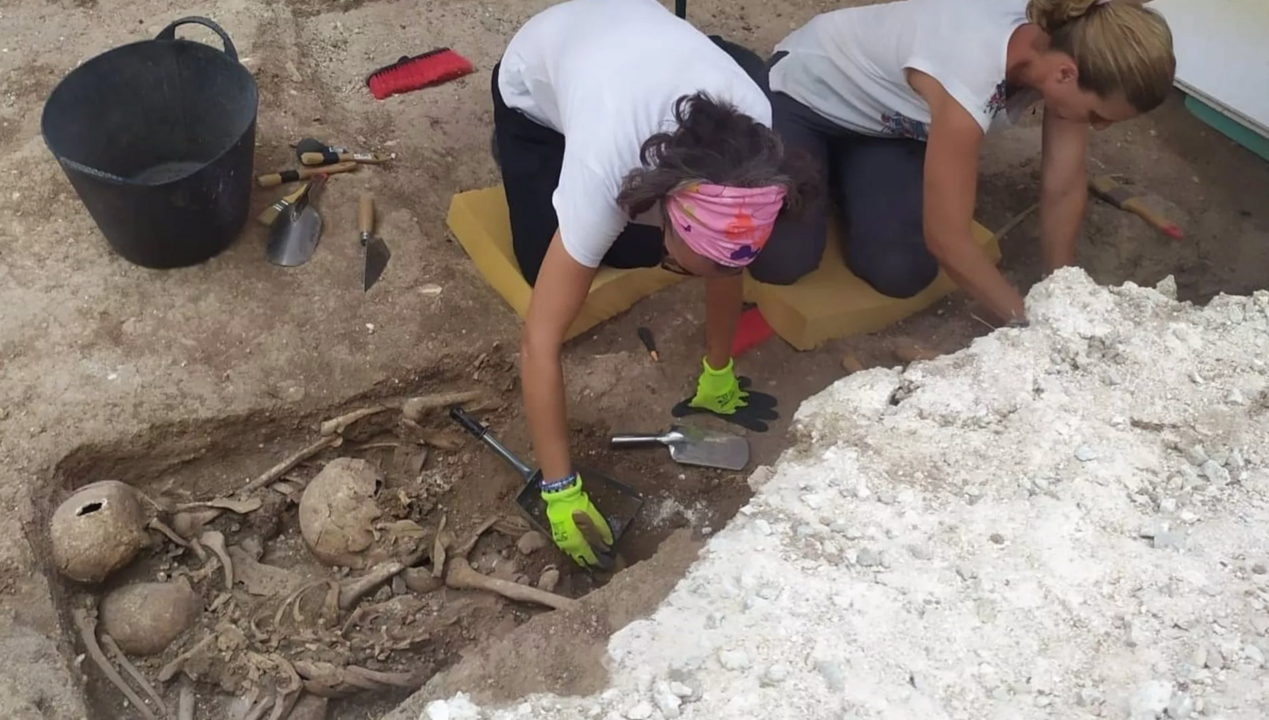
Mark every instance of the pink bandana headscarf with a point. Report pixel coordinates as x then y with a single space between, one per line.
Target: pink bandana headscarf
728 225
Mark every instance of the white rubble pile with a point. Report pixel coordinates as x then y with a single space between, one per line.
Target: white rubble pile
1065 521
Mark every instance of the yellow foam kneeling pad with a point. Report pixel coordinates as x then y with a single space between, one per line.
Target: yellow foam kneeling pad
482 224
833 303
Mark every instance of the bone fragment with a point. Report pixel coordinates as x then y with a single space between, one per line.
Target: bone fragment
156 524
287 465
460 575
216 542
233 505
352 591
118 656
419 580
415 407
258 710
87 626
170 670
288 694
185 704
337 425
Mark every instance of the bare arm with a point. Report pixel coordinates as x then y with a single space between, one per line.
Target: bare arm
723 297
951 179
558 295
1063 189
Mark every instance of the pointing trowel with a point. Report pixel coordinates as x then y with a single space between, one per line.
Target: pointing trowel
376 250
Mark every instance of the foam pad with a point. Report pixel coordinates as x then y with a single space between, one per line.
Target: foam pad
480 221
833 303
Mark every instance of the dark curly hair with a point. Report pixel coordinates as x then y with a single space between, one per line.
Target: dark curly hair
715 143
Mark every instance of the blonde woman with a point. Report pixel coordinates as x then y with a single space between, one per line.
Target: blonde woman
893 100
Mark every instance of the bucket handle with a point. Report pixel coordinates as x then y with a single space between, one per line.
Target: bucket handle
169 33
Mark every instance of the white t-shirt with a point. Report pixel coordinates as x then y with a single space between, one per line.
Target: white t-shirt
848 65
605 74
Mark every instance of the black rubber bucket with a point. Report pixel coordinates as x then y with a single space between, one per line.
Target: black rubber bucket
158 139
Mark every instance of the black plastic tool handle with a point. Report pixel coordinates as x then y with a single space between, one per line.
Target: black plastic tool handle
169 33
481 433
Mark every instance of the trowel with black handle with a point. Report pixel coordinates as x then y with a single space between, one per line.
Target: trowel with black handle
375 249
691 445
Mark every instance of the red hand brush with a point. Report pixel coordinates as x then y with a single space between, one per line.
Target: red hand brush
413 73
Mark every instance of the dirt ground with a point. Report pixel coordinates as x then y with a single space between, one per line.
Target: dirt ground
190 382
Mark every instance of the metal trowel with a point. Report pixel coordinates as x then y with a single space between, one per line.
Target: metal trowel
690 445
618 502
376 250
293 236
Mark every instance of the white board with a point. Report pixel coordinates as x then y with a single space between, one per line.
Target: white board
1222 49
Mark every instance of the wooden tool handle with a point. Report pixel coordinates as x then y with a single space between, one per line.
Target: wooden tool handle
304 173
366 214
296 195
316 158
1160 223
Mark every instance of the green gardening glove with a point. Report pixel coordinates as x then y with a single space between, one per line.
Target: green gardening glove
720 392
577 527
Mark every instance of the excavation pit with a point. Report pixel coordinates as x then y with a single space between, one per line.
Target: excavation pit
273 623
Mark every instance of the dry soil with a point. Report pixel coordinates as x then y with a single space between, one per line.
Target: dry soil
195 380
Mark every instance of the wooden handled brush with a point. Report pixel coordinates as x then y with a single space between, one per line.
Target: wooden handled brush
271 213
290 176
317 158
1108 189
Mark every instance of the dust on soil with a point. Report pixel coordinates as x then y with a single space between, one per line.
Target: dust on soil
100 355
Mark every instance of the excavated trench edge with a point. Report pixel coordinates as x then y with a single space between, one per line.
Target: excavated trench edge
145 456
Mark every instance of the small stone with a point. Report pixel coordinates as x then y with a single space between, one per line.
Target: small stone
1196 455
713 621
1087 697
1150 700
762 526
531 542
804 530
1167 505
681 691
549 578
642 711
997 539
1260 623
1043 701
775 675
1254 654
1215 660
1084 453
868 558
920 553
1213 471
1199 657
966 572
813 501
1236 460
832 673
1236 397
769 592
1181 707
666 701
886 498
733 659
1168 540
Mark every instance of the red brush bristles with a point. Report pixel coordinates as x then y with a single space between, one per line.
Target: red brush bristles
412 73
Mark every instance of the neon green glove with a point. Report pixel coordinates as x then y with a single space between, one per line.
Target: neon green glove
577 526
722 393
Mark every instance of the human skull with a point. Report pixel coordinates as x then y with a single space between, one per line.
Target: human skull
97 530
338 512
145 618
